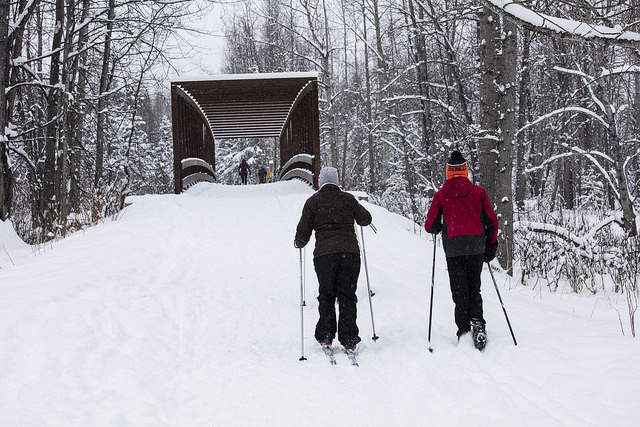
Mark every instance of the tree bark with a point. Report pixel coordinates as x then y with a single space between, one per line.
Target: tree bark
78 113
346 125
102 96
15 46
524 107
416 14
6 177
370 142
637 131
504 177
381 82
51 185
329 85
487 138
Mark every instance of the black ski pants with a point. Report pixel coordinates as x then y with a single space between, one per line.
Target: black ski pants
338 279
464 278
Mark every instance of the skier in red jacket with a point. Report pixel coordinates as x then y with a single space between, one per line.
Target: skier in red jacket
463 212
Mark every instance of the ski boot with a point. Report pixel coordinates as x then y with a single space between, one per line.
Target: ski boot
326 341
479 334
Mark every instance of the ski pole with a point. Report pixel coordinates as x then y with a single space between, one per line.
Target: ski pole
375 230
366 270
301 312
503 309
304 286
433 278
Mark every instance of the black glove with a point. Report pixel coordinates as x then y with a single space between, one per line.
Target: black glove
490 251
299 243
436 227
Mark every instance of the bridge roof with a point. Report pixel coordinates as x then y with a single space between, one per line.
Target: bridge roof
246 105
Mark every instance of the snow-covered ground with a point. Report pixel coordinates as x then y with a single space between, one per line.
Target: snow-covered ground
185 312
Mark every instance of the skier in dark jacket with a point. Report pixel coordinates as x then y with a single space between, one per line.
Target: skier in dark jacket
262 175
331 212
469 238
244 169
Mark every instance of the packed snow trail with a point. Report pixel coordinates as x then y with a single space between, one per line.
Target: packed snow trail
184 311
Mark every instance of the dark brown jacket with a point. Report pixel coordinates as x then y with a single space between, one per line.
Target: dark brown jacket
331 212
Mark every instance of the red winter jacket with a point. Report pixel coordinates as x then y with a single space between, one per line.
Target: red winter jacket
470 224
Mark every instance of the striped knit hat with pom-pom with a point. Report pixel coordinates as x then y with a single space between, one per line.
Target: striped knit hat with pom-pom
457 165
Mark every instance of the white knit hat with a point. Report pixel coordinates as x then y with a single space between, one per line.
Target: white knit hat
328 175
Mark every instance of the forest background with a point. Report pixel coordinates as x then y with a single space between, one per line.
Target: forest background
542 97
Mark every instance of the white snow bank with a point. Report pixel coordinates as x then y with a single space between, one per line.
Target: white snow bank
185 312
12 248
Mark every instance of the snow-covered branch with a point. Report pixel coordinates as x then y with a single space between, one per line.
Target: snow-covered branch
591 156
584 244
561 111
565 28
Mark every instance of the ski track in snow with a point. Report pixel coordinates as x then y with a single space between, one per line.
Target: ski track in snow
185 312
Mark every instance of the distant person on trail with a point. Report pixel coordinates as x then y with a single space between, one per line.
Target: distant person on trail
331 212
469 238
244 169
262 175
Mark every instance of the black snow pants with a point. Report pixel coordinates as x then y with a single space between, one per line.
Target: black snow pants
338 278
464 278
243 178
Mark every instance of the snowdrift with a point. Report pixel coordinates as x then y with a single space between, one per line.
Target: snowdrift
185 312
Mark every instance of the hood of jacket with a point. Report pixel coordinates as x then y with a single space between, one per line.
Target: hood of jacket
458 186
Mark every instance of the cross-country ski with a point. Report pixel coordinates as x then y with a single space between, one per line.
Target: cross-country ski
352 355
328 351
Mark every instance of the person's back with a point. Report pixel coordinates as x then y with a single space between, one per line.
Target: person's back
244 169
463 206
334 212
331 212
464 214
262 175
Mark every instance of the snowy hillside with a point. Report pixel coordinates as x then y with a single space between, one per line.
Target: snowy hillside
185 312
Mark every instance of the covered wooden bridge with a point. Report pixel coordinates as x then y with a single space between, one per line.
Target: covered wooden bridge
280 105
